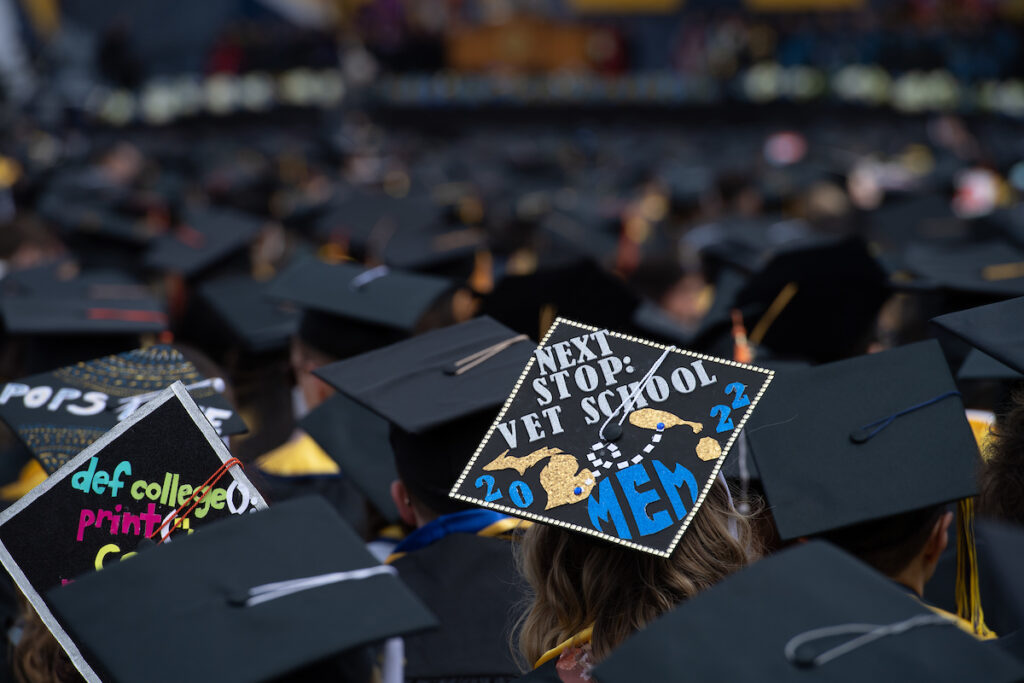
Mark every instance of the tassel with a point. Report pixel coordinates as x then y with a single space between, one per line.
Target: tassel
742 351
968 593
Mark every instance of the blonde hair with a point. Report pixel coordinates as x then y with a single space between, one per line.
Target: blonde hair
577 581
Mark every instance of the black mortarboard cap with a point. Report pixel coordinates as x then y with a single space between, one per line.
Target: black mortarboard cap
979 366
256 322
575 288
349 309
612 436
996 329
448 253
56 315
816 299
440 390
59 413
994 268
367 222
199 596
357 439
205 237
863 439
778 612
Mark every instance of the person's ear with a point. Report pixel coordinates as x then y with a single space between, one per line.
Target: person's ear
403 502
938 540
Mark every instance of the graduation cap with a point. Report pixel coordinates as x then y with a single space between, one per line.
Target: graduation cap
349 309
447 253
612 436
816 299
994 268
864 450
439 390
570 287
162 473
267 581
365 223
863 439
808 613
57 414
981 366
994 329
357 439
256 323
205 237
51 314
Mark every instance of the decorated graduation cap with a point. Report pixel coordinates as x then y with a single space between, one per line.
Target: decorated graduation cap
57 414
612 436
348 309
357 439
292 586
205 237
808 613
257 323
862 450
439 391
995 329
162 473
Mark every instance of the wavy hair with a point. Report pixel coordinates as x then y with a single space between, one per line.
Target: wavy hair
576 580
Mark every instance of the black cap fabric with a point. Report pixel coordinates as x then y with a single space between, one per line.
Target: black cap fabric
981 366
575 288
440 391
55 315
351 302
365 223
816 299
995 329
417 385
595 419
994 268
763 624
196 597
59 413
829 457
256 322
357 439
205 237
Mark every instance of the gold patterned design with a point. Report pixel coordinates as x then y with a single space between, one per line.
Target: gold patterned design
53 446
133 373
708 449
649 418
559 477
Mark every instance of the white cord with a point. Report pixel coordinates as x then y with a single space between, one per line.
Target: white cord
871 632
272 591
733 529
367 276
627 404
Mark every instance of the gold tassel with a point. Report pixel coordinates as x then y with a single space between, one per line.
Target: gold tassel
968 593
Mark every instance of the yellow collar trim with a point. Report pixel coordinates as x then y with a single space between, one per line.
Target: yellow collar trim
301 457
958 621
580 638
503 526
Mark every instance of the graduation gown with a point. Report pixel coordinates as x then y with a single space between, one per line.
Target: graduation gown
461 565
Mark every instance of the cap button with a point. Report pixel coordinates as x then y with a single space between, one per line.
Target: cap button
145 544
237 598
612 432
804 656
860 436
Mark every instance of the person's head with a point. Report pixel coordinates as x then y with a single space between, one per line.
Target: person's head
1001 481
904 547
304 360
577 581
428 464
